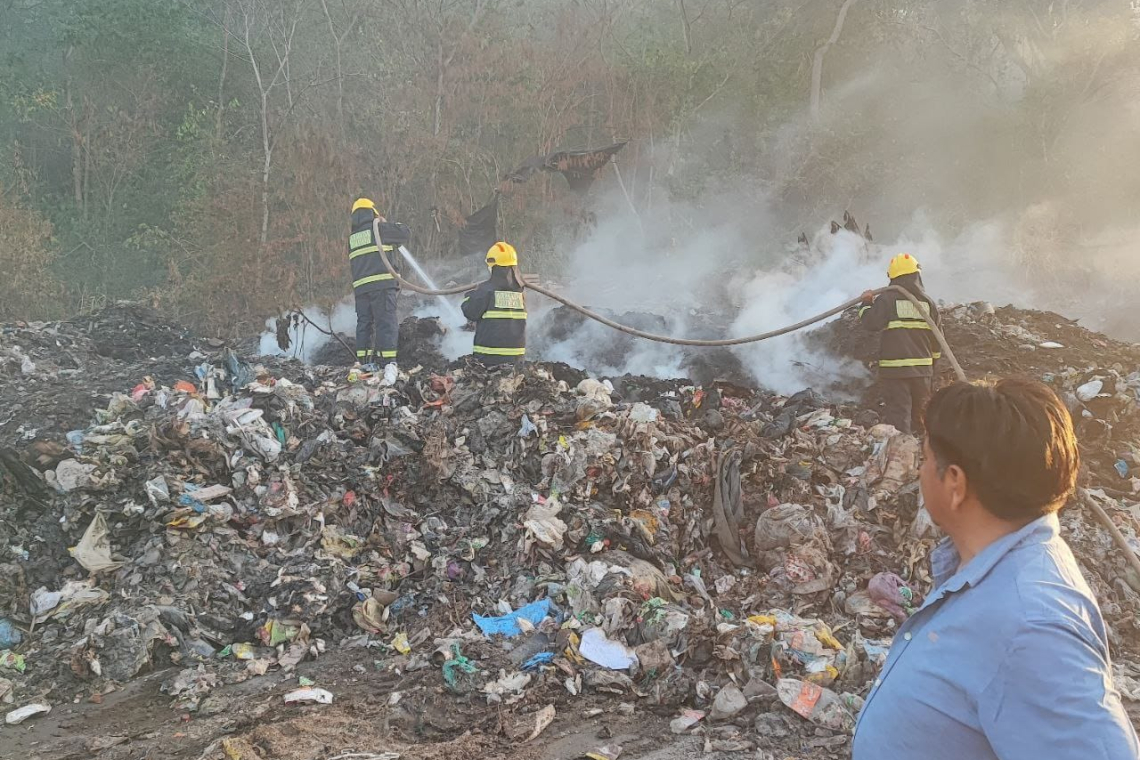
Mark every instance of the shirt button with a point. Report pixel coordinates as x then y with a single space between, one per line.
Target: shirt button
907 636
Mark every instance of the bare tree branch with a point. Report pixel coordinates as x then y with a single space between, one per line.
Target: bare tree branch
820 53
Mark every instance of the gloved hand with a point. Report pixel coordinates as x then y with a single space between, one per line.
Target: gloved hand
868 296
469 327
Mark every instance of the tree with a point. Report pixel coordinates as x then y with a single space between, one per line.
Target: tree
262 24
821 53
29 288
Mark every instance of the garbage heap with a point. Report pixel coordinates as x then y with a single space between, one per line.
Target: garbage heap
732 559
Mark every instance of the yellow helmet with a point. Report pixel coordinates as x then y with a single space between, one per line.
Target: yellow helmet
502 255
903 264
365 203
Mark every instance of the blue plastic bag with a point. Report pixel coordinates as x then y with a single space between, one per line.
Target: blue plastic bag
508 625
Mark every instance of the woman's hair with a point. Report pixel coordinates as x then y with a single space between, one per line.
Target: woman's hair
1013 439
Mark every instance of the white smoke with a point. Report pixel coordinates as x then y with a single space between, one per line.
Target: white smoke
305 340
837 269
731 268
456 342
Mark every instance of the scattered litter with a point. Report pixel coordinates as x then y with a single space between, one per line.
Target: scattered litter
10 635
71 474
458 672
729 702
543 526
507 685
11 661
94 550
536 662
28 711
508 625
1090 390
894 595
309 697
821 706
542 720
643 413
600 650
687 720
400 643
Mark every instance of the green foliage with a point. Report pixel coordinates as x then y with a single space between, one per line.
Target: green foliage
133 130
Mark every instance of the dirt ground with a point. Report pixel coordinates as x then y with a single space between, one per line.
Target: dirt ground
249 720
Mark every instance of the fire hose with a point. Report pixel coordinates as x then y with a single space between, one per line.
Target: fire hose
696 342
1084 497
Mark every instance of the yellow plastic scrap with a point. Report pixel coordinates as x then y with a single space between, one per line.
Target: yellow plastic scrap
828 676
571 650
188 521
401 643
823 633
763 620
243 651
648 520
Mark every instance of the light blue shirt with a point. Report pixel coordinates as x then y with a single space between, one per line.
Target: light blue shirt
1007 659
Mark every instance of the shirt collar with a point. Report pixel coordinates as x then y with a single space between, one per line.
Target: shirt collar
944 559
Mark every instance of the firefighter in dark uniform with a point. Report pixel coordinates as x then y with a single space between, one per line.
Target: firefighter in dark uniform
908 348
377 325
498 309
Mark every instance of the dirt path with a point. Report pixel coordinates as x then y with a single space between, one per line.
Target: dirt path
249 721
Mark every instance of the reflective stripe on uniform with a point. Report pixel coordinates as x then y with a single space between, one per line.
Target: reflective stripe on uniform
373 278
498 351
927 362
362 251
388 354
863 310
937 354
370 249
362 353
899 324
496 314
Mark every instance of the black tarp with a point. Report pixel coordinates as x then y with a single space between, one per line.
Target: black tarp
579 167
480 231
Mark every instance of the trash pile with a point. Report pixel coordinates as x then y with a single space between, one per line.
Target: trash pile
1096 376
539 540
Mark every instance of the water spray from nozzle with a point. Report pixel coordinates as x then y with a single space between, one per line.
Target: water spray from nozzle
456 316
